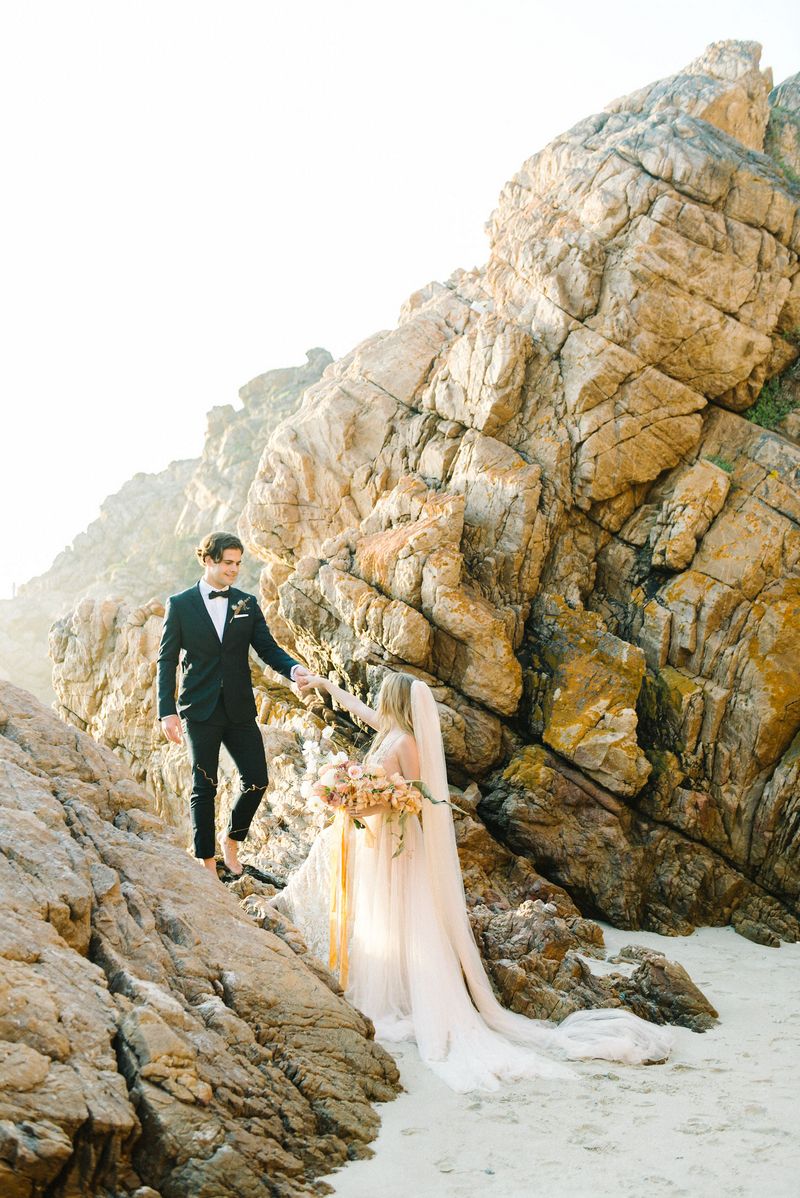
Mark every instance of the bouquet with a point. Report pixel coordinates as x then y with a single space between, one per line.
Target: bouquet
337 783
355 788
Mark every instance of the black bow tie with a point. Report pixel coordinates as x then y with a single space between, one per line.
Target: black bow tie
218 594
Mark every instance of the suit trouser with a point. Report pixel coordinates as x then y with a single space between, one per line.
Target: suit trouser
243 742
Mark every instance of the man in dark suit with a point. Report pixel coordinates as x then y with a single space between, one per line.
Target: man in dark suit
212 625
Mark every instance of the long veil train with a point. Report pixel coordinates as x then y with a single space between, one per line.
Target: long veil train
609 1033
414 965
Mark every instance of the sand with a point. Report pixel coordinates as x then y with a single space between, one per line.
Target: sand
721 1118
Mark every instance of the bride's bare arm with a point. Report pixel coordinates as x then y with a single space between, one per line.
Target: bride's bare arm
343 698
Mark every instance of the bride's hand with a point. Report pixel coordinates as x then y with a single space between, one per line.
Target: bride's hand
376 809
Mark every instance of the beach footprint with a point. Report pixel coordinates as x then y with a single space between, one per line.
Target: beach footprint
700 1127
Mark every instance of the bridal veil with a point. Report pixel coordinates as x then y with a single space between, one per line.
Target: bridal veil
612 1034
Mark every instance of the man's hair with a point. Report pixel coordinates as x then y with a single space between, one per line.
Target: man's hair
215 544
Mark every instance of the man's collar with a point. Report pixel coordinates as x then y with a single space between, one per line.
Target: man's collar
205 587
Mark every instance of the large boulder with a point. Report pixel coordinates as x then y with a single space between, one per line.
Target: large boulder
150 1032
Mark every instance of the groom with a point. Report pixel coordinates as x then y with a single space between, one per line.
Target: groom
213 625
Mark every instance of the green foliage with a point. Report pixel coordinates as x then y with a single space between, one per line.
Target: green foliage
723 463
790 174
778 397
779 118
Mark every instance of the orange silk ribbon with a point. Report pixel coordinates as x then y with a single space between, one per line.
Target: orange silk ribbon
337 924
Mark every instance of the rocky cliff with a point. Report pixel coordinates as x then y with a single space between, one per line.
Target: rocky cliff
154 1039
541 492
535 943
137 549
564 491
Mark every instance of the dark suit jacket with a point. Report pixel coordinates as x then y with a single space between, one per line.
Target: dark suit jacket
210 665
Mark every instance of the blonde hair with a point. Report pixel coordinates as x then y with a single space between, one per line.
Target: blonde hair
394 706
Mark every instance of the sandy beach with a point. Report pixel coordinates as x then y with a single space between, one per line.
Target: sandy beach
721 1118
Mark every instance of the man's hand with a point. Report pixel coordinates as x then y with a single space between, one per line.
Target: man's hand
171 726
300 677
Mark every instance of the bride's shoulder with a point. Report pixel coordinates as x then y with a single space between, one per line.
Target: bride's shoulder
402 740
397 746
406 749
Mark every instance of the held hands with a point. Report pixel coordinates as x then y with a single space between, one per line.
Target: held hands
299 675
309 681
171 726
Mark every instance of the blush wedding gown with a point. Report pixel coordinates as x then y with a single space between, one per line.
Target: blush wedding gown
414 967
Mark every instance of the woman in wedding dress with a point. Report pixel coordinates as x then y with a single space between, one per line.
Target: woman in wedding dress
412 964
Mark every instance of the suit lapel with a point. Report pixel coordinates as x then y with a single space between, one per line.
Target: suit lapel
203 613
233 598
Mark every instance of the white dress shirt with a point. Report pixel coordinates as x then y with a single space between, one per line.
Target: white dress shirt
216 608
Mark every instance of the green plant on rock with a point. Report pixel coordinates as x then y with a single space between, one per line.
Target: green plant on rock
781 119
723 463
777 398
661 761
790 174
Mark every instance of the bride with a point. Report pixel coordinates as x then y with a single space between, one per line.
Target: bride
413 965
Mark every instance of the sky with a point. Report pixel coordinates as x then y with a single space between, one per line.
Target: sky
197 192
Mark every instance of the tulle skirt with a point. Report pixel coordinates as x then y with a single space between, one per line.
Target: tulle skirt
405 974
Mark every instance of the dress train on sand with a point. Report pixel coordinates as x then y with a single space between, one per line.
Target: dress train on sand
414 967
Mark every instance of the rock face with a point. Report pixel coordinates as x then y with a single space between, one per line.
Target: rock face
217 488
542 494
618 863
150 1033
534 942
724 87
586 693
136 550
538 492
782 140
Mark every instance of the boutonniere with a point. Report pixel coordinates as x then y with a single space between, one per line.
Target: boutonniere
241 608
